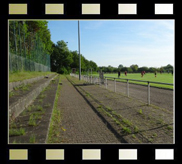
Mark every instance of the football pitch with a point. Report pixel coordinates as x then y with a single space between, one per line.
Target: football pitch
162 78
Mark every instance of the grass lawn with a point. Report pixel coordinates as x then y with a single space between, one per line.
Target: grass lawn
164 78
19 76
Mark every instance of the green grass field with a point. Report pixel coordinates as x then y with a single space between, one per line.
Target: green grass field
163 78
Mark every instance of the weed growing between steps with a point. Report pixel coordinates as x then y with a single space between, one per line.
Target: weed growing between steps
16 132
21 89
31 125
54 129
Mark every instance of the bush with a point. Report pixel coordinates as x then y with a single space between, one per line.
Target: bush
63 70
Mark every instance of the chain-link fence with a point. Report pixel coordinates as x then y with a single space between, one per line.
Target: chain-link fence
18 63
27 51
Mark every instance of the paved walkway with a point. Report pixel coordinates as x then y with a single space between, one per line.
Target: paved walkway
92 114
80 123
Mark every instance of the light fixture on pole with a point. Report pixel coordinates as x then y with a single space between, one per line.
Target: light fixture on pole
79 50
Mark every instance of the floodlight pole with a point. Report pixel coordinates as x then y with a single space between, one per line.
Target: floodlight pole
79 50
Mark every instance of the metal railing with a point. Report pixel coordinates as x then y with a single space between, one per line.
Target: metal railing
127 86
88 79
97 80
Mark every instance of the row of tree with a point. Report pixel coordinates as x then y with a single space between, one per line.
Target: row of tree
134 68
64 60
31 40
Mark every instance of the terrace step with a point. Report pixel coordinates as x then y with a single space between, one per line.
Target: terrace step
13 85
23 98
34 121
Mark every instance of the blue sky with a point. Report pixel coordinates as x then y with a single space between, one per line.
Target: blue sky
112 42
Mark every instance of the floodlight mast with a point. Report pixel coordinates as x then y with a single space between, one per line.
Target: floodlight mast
79 50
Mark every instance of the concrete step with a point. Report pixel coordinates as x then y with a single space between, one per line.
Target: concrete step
35 119
13 85
18 103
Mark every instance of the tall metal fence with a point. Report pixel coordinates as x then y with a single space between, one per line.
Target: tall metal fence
19 63
26 49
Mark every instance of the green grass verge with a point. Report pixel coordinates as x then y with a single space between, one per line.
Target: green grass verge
163 78
19 76
125 129
54 129
32 121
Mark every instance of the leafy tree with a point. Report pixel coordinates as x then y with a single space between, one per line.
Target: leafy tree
129 70
38 31
83 64
110 68
120 66
61 58
93 65
144 68
152 69
115 70
124 69
134 67
30 39
75 63
169 67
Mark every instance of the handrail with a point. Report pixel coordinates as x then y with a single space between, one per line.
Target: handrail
133 80
140 80
127 87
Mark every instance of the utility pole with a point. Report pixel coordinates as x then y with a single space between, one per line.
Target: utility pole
79 50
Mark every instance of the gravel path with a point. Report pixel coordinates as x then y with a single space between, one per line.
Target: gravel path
80 123
159 97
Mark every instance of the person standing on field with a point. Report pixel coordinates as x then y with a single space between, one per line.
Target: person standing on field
125 73
142 74
155 73
119 74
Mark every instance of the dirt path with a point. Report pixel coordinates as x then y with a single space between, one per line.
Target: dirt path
79 121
